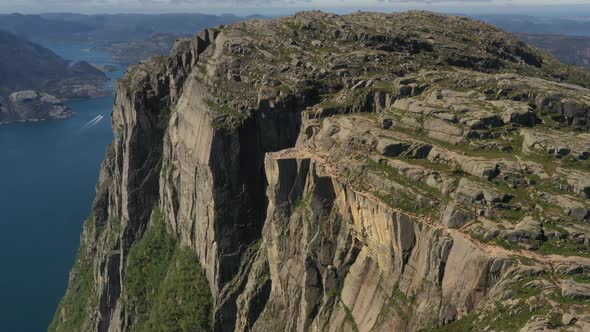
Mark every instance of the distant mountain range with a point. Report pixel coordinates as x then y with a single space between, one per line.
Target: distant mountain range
130 38
573 50
578 26
568 39
100 29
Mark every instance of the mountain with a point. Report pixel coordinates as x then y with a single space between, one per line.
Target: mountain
573 50
104 29
568 39
33 78
366 172
539 25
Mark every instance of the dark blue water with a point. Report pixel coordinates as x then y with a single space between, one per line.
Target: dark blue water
48 171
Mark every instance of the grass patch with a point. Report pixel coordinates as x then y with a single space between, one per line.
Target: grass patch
523 292
225 116
464 324
396 176
585 278
504 243
555 319
564 248
404 202
500 319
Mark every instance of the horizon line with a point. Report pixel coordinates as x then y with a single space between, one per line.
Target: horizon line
472 8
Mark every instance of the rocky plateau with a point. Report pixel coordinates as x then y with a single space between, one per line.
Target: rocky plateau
366 172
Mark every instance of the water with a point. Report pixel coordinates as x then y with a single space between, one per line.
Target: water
48 171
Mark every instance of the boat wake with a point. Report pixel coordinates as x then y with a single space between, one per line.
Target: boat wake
93 122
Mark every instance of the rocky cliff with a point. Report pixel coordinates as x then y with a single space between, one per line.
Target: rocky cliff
368 172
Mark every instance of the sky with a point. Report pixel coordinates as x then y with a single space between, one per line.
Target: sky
288 6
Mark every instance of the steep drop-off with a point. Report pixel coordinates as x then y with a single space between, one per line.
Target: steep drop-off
368 172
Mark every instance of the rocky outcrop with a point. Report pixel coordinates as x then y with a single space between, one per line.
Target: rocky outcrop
327 178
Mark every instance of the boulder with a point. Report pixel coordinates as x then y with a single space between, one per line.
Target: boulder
480 167
575 181
454 217
528 231
568 319
520 117
469 192
572 207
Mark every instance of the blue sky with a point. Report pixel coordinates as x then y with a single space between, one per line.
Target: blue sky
286 6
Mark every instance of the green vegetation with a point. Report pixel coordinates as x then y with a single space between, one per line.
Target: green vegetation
501 318
334 293
512 215
147 265
585 278
355 100
402 304
566 301
225 116
505 243
183 301
464 324
405 200
564 248
74 307
555 319
303 201
582 165
165 288
507 319
350 317
521 291
393 174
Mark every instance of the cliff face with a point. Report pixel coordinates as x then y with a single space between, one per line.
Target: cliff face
363 172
